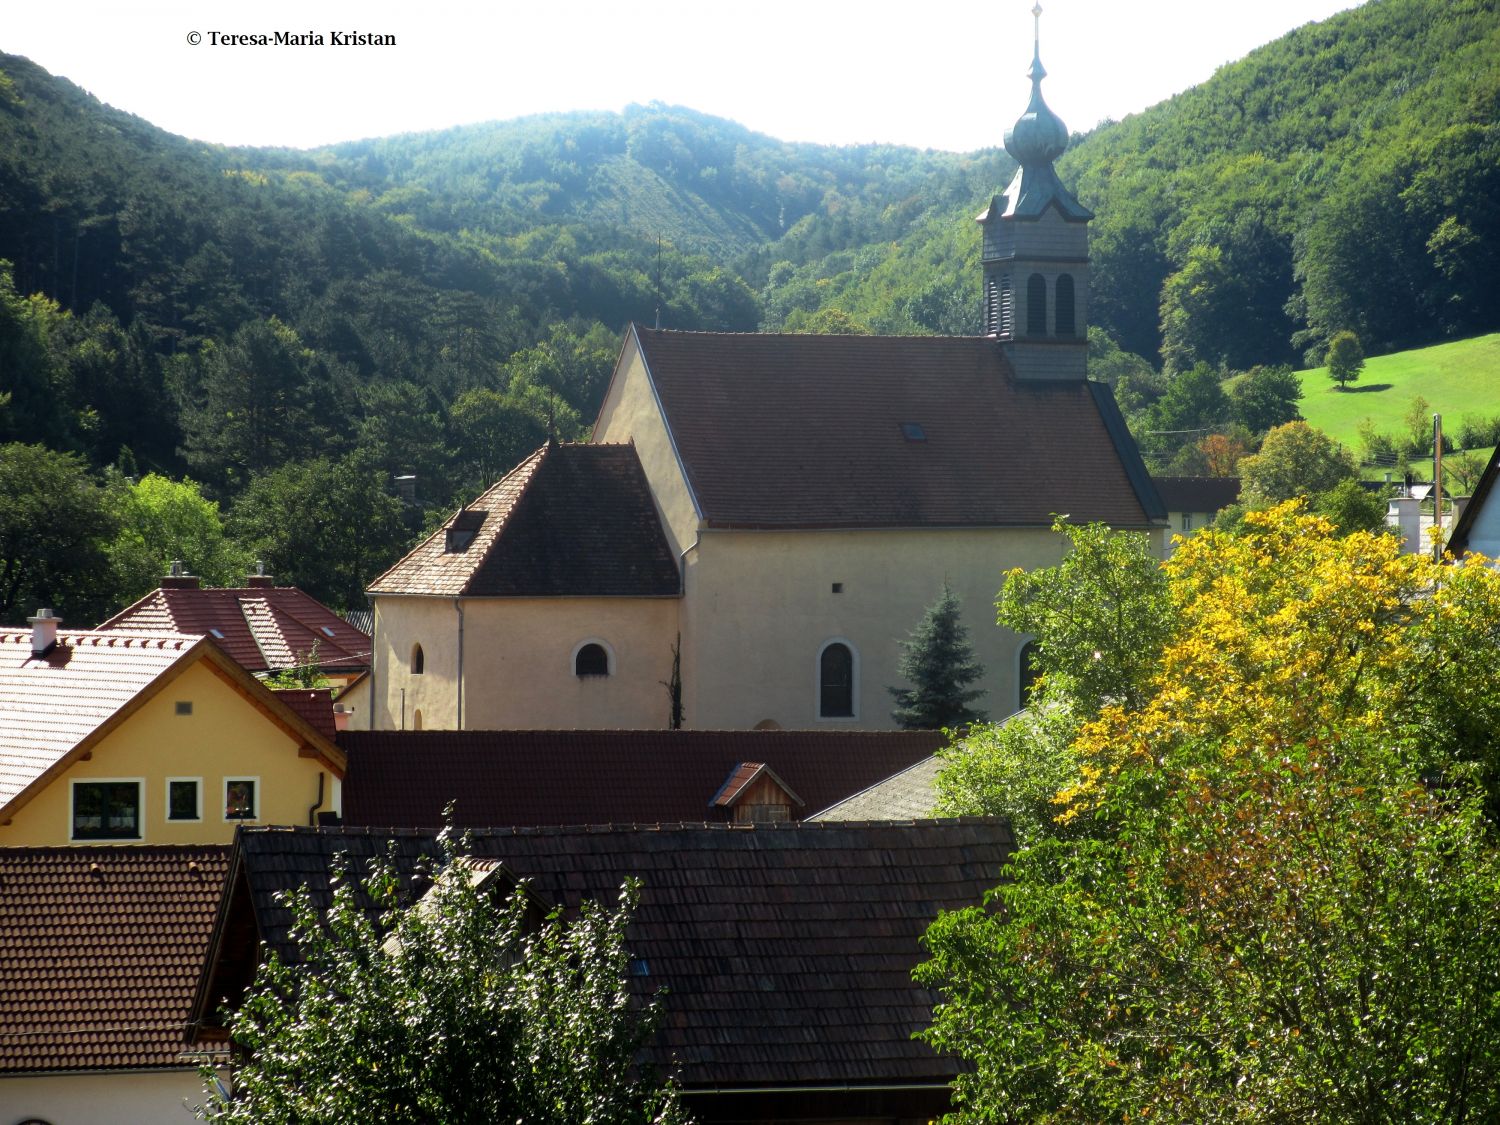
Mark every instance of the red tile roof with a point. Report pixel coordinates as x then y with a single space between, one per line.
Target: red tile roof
49 704
404 779
100 952
808 431
264 628
786 951
571 519
314 706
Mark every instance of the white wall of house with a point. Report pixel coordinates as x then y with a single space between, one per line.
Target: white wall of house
147 1098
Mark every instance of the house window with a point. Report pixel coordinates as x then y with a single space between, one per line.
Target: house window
107 810
1187 522
592 659
184 798
1065 306
418 661
1036 305
836 681
241 798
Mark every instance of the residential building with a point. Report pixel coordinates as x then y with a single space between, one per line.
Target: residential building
1192 503
126 737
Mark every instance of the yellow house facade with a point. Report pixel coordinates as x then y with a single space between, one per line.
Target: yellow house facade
148 739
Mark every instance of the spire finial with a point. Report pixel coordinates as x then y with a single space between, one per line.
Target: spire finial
1036 13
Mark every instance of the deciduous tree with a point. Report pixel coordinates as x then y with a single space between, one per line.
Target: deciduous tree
1346 359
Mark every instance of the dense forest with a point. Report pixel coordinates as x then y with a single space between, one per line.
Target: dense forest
288 331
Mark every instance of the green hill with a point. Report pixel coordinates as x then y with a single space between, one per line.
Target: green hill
1460 380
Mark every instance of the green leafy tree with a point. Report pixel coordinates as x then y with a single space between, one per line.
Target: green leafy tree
163 521
1271 889
1266 397
939 663
1345 359
56 523
460 1009
326 526
1349 506
1295 460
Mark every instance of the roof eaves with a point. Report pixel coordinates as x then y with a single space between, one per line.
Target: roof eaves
264 699
1127 451
1458 540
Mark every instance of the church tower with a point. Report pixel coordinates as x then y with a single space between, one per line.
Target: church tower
1036 249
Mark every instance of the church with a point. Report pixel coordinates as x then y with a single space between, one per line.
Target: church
758 521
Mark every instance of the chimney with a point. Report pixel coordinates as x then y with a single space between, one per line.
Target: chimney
341 716
260 580
178 578
43 631
406 488
1404 513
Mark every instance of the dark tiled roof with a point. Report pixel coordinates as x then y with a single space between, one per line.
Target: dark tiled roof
574 520
1197 494
100 951
786 951
264 628
403 779
807 431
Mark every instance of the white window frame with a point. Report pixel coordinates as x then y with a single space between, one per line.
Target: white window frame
140 819
609 657
166 808
817 678
224 800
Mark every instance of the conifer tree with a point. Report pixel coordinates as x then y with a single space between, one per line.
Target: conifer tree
940 665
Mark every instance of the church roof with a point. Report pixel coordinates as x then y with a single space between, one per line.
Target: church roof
570 520
801 431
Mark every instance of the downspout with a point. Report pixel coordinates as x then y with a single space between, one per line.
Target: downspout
374 662
312 813
459 606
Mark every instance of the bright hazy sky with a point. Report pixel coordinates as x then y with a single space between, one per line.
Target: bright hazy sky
944 74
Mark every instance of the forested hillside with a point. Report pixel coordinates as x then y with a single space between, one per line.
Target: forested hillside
291 330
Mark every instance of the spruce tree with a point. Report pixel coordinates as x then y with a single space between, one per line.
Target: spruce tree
940 665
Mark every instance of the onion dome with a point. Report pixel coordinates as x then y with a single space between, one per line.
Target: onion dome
1038 136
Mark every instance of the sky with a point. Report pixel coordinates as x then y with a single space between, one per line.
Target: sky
946 74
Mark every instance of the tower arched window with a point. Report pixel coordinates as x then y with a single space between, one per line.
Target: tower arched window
836 681
1066 304
418 661
1036 305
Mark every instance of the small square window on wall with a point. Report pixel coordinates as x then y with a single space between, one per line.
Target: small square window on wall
241 798
183 707
184 798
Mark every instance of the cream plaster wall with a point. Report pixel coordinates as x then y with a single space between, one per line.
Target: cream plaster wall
1484 532
88 1099
518 662
761 606
225 736
631 413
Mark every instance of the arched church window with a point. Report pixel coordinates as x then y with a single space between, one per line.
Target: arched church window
418 661
836 681
1036 305
1066 317
591 660
1028 670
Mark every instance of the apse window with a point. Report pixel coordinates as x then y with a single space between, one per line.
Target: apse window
241 798
107 810
418 661
184 798
591 660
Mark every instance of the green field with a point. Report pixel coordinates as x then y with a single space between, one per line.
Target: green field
1457 379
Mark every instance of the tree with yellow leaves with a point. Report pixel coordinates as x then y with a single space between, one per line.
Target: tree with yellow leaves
1271 890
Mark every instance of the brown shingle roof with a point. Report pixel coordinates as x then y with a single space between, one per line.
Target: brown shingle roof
571 519
404 779
100 951
314 706
1197 494
49 704
807 431
786 951
263 628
